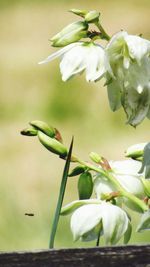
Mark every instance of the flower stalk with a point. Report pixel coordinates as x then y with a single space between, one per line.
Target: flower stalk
104 34
143 207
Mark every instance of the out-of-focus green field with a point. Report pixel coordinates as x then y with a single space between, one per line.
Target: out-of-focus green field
30 175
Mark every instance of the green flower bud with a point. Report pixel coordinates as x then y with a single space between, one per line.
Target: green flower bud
52 144
31 131
92 16
79 12
95 157
77 170
70 34
146 184
135 151
85 185
44 127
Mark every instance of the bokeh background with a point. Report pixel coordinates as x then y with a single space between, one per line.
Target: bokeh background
30 175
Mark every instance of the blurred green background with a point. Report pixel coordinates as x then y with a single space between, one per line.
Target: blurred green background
30 175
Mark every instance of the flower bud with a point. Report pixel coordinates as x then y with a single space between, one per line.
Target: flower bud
31 131
52 144
92 16
95 157
70 34
135 151
79 12
146 184
44 127
77 170
85 185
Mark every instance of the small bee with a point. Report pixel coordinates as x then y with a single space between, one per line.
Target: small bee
29 214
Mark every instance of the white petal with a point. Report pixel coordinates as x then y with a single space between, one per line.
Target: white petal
59 53
115 40
126 172
132 184
138 76
96 58
85 219
126 62
102 187
129 167
73 62
138 47
115 223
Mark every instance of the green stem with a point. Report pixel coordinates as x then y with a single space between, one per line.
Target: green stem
103 32
61 196
119 187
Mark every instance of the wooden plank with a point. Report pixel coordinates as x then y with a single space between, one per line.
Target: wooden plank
122 256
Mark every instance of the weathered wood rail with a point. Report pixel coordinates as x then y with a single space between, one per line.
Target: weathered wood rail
120 256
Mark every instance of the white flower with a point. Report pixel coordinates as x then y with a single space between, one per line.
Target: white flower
124 50
81 56
126 173
111 221
129 58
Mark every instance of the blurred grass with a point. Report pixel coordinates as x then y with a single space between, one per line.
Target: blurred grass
30 175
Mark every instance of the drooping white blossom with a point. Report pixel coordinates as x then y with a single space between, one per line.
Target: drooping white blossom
80 56
129 86
111 221
126 172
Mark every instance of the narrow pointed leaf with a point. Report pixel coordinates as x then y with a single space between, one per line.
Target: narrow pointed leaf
61 196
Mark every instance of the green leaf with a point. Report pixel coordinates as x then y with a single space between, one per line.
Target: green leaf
144 222
77 170
85 185
61 196
146 161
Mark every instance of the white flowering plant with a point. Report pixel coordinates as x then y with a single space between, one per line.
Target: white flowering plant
105 187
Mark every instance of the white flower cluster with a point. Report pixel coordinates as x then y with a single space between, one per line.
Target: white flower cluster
125 65
93 217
